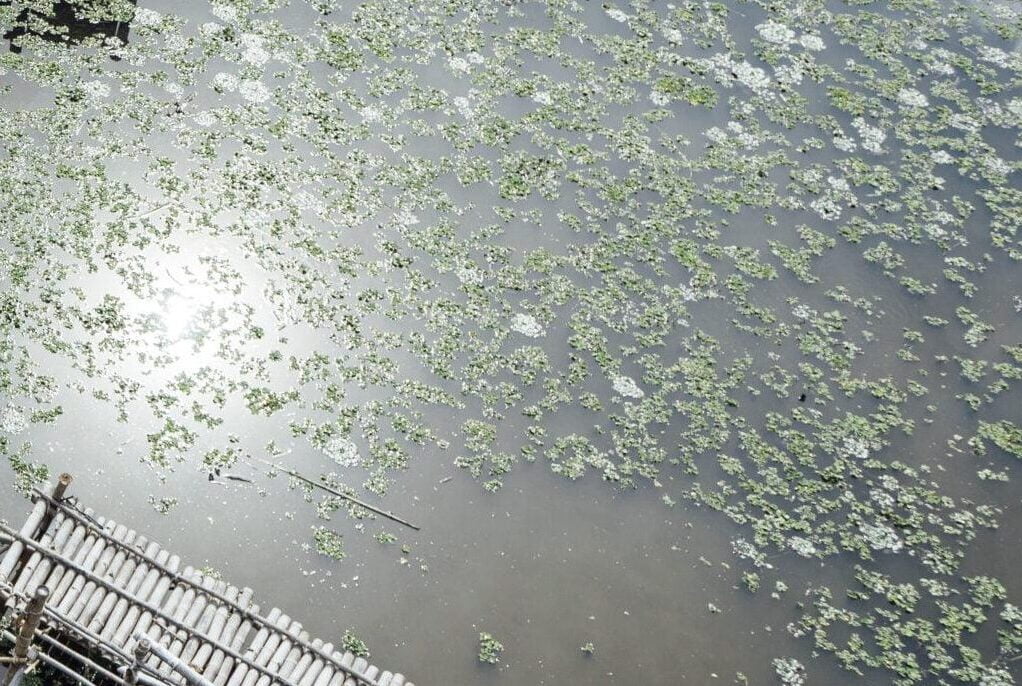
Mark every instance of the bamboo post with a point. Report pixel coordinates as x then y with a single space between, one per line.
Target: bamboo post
190 676
26 632
142 649
57 494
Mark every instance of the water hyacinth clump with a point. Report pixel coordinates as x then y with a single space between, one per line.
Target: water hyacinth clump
759 259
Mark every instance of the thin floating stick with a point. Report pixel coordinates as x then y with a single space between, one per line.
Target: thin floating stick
333 491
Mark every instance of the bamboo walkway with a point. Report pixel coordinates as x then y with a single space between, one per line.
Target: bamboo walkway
120 608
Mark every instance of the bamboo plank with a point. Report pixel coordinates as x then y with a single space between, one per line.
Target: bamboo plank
192 617
319 667
103 600
37 558
293 655
122 579
184 604
46 571
254 618
303 664
346 661
114 589
13 554
222 629
325 675
360 665
81 558
73 587
134 586
256 649
77 602
253 652
113 581
156 598
204 625
276 661
171 603
221 664
269 650
78 542
215 630
124 628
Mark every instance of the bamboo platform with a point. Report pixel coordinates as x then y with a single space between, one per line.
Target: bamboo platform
118 605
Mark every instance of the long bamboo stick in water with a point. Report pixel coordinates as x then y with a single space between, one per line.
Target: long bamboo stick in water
333 491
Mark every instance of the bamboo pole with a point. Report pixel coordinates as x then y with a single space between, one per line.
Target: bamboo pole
253 651
26 634
57 574
340 678
190 611
57 665
172 610
216 627
277 656
292 657
177 578
224 627
333 491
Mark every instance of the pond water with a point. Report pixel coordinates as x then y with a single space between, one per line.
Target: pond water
689 331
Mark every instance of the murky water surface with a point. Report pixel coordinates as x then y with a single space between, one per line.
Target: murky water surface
688 331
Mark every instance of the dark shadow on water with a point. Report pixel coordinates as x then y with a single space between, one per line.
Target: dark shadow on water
64 26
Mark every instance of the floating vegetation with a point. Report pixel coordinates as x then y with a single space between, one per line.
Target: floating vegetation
329 543
351 642
489 648
760 248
